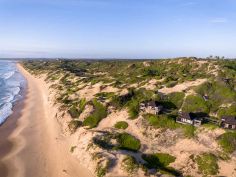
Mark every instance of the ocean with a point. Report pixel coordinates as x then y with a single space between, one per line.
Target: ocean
11 84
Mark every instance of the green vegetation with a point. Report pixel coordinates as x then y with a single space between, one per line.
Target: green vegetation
171 84
133 109
219 93
195 103
210 126
124 141
104 141
102 169
129 164
168 122
82 104
229 111
217 97
176 98
74 124
207 164
74 112
99 113
126 72
227 141
105 95
161 121
132 100
128 142
160 161
121 125
189 131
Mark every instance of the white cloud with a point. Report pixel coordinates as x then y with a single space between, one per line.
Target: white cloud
219 20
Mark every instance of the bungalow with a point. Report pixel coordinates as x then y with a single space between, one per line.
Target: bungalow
150 107
228 122
188 118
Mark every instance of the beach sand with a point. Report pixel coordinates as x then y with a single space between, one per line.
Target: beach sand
31 140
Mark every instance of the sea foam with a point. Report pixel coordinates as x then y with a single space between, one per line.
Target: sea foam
11 82
5 111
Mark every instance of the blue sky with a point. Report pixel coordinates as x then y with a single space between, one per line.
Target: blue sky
117 28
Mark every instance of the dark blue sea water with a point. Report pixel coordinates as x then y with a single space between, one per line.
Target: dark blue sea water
11 83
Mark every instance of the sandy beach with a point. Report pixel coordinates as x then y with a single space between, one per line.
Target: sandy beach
31 140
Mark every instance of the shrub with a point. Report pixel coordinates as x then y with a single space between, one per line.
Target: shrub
189 131
128 142
171 84
99 113
74 124
210 126
104 141
195 103
218 92
121 101
129 164
227 141
121 125
207 164
161 121
82 104
106 95
133 109
229 111
158 160
176 98
102 168
74 112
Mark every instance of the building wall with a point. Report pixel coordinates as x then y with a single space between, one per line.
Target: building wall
229 126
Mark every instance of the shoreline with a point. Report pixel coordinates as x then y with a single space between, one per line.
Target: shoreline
34 143
7 128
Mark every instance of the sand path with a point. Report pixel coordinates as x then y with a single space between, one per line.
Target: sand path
39 148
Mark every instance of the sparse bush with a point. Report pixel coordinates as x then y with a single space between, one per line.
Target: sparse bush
176 98
158 160
219 93
207 164
133 109
102 169
74 112
189 131
161 121
227 141
74 124
229 111
121 125
129 164
195 103
104 141
99 113
171 84
82 104
128 142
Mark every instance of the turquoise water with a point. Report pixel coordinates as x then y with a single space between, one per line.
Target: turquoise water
11 83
